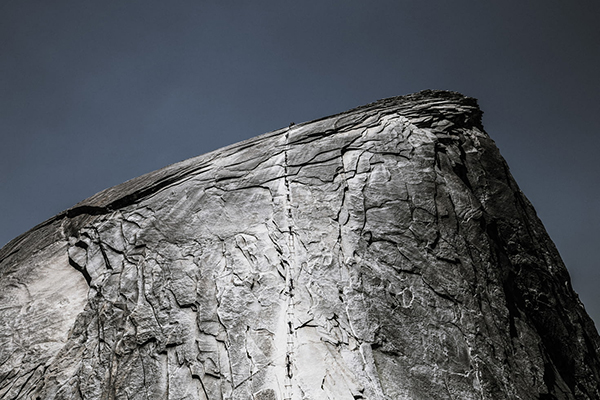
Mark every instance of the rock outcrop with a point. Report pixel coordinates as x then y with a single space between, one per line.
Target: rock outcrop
382 253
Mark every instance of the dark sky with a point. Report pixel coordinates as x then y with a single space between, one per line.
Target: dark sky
93 93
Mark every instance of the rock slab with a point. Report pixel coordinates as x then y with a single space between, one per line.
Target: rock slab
382 253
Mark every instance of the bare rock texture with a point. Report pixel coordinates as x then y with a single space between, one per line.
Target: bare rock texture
382 253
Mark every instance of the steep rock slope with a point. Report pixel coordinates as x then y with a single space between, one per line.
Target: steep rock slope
382 253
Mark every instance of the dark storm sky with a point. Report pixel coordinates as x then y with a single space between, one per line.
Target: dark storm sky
93 93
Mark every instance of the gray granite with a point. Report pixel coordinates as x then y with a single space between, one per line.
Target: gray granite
382 253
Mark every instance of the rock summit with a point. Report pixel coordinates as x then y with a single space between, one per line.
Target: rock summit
382 253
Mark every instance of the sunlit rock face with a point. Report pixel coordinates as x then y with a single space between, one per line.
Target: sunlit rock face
382 253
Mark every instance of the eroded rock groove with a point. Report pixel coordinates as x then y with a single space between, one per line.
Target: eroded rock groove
289 280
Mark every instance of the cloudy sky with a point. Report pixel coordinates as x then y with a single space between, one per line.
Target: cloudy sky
93 93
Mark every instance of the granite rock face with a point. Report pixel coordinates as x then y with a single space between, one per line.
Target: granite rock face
382 253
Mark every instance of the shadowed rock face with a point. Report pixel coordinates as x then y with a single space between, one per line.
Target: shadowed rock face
382 253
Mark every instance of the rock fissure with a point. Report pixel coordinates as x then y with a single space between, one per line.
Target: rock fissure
289 279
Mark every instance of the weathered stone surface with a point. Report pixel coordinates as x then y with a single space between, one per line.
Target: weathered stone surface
382 253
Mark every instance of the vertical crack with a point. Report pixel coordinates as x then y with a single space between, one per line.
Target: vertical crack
289 278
